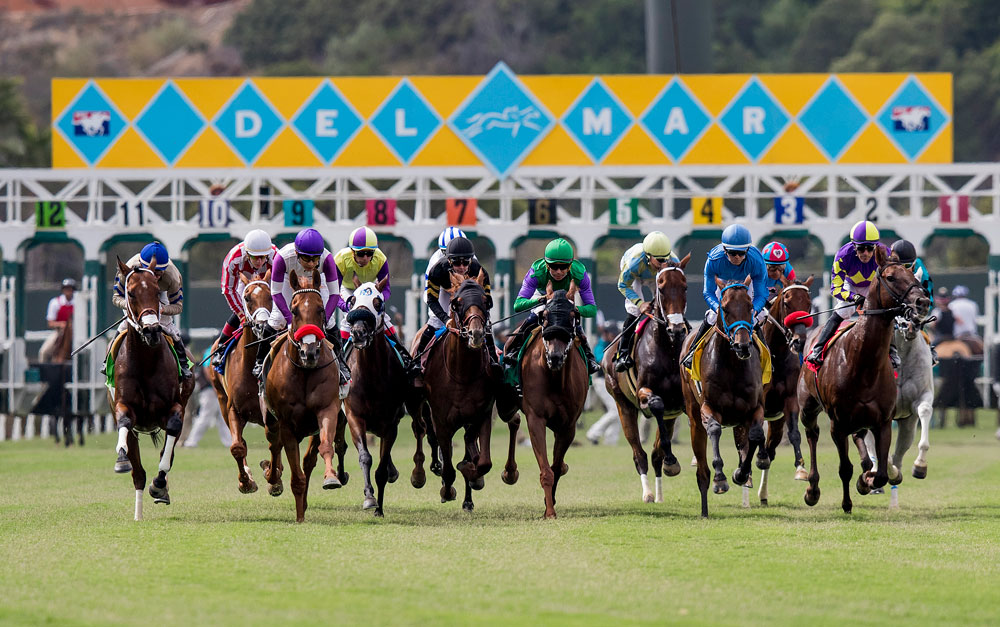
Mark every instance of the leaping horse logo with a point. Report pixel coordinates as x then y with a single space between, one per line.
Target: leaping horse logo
511 117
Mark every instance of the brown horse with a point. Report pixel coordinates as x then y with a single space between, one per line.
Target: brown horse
149 396
302 397
56 370
731 392
461 390
784 332
855 385
236 388
375 402
555 382
658 377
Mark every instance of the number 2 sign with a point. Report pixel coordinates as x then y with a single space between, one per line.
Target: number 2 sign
381 211
460 211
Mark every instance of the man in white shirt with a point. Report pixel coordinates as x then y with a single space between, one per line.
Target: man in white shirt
965 311
60 310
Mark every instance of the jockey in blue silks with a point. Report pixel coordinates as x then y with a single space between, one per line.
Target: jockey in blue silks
734 259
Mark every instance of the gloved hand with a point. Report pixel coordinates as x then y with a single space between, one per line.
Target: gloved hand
761 316
711 316
859 299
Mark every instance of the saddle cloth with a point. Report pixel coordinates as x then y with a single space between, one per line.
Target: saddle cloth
765 358
512 375
228 348
628 380
115 346
844 328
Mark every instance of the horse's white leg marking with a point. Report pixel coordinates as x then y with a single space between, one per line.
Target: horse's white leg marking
870 445
894 497
168 453
47 421
762 490
122 440
138 504
746 496
29 427
924 412
647 494
659 490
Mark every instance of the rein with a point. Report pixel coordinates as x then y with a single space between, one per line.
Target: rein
907 309
731 329
297 343
780 326
675 317
130 316
246 312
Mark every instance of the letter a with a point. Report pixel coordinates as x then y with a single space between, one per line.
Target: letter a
676 122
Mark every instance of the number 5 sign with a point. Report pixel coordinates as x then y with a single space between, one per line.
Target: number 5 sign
460 211
381 211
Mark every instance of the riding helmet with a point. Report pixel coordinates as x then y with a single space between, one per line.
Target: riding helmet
309 242
363 238
558 251
775 254
864 232
69 283
447 235
904 250
656 244
959 291
257 243
736 237
157 251
460 247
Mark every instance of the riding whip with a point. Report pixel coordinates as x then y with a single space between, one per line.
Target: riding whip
91 340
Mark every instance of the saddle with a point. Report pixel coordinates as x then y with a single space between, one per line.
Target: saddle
228 348
628 381
765 359
115 346
512 375
844 328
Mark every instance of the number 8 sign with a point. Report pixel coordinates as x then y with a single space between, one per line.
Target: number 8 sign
381 211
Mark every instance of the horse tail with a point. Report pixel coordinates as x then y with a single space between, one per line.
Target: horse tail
157 438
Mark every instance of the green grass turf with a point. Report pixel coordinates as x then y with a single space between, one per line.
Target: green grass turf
71 554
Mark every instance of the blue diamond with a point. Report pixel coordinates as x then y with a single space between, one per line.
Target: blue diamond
248 122
405 121
169 123
911 118
91 124
754 119
501 121
597 120
832 119
327 122
675 119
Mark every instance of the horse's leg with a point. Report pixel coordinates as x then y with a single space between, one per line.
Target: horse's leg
846 470
562 441
924 411
418 478
629 417
311 455
299 485
468 468
272 467
340 446
359 434
904 439
698 445
671 467
484 461
864 454
432 440
384 463
81 426
546 476
883 438
124 420
810 411
510 474
794 437
656 458
774 434
238 449
448 492
158 487
714 430
131 442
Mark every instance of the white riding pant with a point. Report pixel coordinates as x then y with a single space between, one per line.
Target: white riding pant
847 312
630 307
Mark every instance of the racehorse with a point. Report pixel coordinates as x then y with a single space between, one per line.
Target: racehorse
855 385
375 402
302 398
461 390
784 332
149 395
555 381
731 392
658 377
236 388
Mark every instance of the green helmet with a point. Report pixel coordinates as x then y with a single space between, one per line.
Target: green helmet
559 251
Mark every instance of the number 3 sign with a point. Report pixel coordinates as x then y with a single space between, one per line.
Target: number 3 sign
381 211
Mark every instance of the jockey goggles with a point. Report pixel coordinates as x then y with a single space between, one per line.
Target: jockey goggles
864 248
460 261
364 252
661 258
308 258
735 252
558 267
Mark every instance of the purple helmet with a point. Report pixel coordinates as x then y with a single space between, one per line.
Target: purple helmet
309 242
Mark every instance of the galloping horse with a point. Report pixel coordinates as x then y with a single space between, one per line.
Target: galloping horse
658 377
375 402
236 388
784 332
460 390
855 385
555 382
731 392
302 398
148 395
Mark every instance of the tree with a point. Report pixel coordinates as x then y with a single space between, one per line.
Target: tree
21 143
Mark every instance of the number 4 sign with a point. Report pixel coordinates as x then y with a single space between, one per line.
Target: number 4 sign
706 210
381 211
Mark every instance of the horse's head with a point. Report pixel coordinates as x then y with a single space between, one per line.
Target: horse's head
671 296
469 310
896 289
736 315
142 300
308 318
792 306
558 324
257 303
366 312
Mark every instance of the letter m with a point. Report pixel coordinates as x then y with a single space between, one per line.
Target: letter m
597 124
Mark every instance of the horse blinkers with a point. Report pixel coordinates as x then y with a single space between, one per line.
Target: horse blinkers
476 336
362 324
557 341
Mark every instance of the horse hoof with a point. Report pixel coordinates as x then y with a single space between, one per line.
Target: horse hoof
763 502
564 470
919 472
720 487
510 478
265 465
436 467
550 515
811 497
332 483
159 493
369 503
847 508
379 513
344 477
648 497
739 479
122 464
671 470
763 463
448 493
393 474
418 479
863 487
275 489
249 488
895 476
468 506
801 474
478 483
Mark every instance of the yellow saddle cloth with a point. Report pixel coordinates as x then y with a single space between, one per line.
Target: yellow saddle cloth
765 358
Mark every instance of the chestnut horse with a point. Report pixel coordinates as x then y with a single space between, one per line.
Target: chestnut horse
555 382
658 377
379 389
236 387
302 398
461 390
149 396
855 385
731 393
784 332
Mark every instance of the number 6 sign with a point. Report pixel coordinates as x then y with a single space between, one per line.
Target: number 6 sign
381 211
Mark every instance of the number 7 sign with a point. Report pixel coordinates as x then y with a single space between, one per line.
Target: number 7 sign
460 211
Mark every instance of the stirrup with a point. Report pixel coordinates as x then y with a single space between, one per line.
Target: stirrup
623 363
258 368
216 359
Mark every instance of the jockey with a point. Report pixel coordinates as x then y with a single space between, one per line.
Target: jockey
154 257
306 254
459 261
254 257
638 265
559 268
59 311
444 239
907 254
854 268
733 260
776 260
362 262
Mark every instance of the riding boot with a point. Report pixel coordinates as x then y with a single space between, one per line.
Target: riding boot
829 329
182 358
592 366
425 338
623 359
934 355
894 357
410 365
220 348
333 336
263 348
688 361
516 340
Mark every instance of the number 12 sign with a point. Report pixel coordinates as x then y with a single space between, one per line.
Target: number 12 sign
381 211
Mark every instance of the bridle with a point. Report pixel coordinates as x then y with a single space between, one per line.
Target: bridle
146 316
907 309
674 318
731 328
464 331
246 312
320 336
785 331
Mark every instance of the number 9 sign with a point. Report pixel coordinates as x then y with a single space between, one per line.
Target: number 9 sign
381 211
297 212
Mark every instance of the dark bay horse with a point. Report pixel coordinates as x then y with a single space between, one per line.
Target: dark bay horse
658 377
461 390
855 385
302 398
56 370
148 396
236 388
731 393
376 400
555 382
784 332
